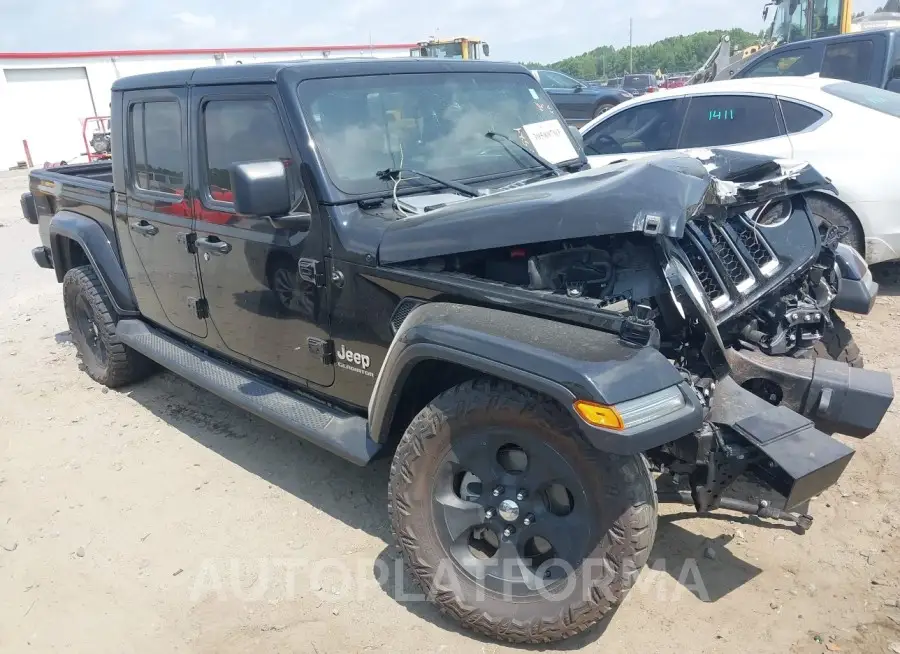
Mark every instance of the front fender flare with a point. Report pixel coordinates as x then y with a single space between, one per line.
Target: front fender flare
100 253
564 362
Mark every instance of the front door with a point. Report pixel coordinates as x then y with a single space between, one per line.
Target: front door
261 306
160 222
634 132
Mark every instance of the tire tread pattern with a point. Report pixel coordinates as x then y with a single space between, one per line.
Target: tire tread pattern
124 365
629 540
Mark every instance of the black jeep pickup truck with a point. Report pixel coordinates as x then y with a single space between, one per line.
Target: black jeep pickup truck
412 258
868 57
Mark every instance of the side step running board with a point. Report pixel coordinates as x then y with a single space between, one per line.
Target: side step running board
342 433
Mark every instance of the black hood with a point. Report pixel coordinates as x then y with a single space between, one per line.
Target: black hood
669 189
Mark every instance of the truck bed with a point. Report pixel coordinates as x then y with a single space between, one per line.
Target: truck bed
85 189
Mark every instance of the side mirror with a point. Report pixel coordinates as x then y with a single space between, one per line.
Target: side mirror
486 49
261 188
577 135
765 12
579 88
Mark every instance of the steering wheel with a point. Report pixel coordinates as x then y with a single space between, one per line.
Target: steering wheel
617 147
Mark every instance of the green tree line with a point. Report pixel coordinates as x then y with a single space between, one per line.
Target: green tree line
674 54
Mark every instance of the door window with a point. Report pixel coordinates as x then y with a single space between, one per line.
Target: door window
851 61
646 128
797 117
239 131
728 119
795 63
554 80
156 147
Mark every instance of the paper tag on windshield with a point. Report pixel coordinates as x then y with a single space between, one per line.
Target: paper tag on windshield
550 140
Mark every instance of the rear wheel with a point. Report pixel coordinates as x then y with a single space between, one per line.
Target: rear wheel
92 321
509 521
602 109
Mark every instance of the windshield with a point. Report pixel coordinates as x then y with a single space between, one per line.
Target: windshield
444 50
436 123
886 102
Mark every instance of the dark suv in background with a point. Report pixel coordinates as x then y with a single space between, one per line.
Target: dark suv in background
640 84
578 101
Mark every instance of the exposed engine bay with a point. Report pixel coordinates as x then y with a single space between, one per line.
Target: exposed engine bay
622 272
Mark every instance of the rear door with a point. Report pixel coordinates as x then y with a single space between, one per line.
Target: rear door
852 60
747 123
260 305
160 221
637 131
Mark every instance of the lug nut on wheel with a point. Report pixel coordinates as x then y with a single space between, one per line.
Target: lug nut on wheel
489 513
498 491
528 520
521 495
509 531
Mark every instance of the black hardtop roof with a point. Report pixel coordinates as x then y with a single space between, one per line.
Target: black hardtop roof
888 32
311 68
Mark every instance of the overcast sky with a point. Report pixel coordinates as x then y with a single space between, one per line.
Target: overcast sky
541 30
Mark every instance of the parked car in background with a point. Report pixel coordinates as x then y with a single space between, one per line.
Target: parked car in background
849 132
614 81
673 82
871 58
577 102
640 84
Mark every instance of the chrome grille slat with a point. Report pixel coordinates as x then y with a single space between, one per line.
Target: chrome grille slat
755 244
729 260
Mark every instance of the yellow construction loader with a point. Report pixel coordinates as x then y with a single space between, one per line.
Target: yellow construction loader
460 48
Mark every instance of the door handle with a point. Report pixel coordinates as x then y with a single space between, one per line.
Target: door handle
145 228
213 247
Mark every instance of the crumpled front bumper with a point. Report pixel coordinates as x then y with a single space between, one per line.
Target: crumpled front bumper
818 398
856 288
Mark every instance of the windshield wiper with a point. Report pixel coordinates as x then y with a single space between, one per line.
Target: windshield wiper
546 164
391 173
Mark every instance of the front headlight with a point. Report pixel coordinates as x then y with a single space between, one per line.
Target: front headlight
633 413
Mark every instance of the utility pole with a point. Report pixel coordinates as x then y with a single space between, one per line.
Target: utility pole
630 46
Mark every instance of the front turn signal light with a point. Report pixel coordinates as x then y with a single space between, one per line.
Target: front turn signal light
599 415
633 413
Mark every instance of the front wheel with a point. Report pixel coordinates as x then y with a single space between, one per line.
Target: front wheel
838 344
509 521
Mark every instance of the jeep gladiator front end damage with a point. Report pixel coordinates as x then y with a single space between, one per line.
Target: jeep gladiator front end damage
395 272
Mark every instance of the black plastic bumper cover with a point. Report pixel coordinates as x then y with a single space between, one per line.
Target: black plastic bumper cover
29 208
798 461
857 289
42 257
836 397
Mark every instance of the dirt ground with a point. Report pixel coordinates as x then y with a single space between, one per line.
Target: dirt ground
160 519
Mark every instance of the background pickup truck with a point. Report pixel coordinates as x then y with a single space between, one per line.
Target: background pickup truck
871 58
412 258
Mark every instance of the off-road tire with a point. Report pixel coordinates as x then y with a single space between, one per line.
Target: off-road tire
620 546
123 365
838 344
825 210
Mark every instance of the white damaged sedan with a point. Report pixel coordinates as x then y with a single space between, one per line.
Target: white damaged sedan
848 132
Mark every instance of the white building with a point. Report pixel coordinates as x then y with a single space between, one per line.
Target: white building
45 96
